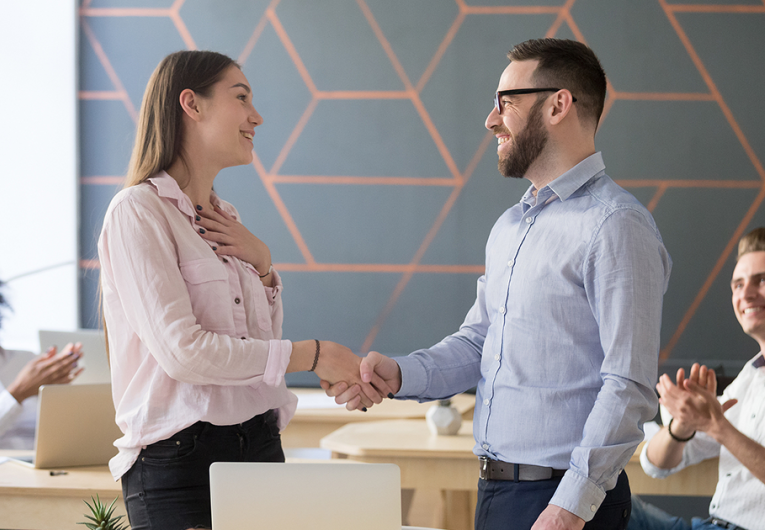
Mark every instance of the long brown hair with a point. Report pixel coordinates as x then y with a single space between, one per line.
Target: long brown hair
159 135
158 139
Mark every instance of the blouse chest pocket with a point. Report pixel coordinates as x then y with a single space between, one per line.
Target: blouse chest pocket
208 287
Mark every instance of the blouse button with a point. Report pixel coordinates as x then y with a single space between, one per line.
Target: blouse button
237 300
224 260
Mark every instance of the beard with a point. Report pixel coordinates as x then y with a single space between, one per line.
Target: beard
529 144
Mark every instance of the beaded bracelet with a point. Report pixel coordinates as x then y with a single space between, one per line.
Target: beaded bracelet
316 359
675 438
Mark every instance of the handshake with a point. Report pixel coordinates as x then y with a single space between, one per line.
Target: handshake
357 382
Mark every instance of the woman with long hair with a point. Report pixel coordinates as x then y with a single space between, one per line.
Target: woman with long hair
192 303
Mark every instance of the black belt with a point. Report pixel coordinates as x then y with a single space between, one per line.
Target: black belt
498 470
722 523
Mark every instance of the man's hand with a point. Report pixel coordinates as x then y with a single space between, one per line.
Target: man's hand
556 518
47 369
339 365
231 238
381 371
693 401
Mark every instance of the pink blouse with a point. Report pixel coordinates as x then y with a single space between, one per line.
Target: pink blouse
192 336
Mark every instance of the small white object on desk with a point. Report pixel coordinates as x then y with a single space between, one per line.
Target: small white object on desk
443 418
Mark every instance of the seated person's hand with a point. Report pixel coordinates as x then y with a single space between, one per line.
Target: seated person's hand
48 369
692 402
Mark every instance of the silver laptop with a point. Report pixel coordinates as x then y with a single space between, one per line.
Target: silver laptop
95 359
75 426
320 496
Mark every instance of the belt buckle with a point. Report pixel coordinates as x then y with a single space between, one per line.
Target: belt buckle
484 472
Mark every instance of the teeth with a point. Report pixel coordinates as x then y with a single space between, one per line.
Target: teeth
502 139
749 310
247 135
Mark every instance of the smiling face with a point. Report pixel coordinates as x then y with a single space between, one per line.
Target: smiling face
230 120
748 286
521 136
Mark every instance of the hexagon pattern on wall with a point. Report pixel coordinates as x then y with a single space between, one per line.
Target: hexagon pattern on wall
372 176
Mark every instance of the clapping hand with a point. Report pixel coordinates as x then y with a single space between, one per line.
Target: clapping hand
692 402
47 369
229 237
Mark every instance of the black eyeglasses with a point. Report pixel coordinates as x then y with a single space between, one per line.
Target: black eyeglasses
518 91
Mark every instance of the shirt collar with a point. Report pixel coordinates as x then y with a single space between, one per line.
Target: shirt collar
759 361
167 187
570 181
576 177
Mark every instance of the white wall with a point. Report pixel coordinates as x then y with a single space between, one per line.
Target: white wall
38 168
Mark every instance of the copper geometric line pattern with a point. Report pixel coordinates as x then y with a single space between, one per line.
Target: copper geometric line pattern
270 177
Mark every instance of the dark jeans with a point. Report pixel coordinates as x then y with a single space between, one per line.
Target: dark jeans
508 505
168 488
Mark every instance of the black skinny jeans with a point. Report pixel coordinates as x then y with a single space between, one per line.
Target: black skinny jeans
168 487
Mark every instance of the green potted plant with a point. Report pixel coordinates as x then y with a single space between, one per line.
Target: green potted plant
103 517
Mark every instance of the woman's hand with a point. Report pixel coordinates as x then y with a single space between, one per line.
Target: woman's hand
47 369
372 366
337 363
231 238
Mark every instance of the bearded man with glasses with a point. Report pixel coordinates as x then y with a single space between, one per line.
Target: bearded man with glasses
562 342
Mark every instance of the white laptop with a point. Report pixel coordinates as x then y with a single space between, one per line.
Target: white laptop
75 426
94 361
320 496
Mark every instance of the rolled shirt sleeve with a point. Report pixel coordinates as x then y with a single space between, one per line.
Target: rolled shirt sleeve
141 264
193 336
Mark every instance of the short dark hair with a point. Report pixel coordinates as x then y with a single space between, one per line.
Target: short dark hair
567 64
754 241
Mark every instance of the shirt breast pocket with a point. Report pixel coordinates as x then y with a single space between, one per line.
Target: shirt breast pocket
207 284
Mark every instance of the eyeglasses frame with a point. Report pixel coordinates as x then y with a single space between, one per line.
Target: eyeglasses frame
519 91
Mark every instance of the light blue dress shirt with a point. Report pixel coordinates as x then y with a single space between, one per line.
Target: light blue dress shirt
563 339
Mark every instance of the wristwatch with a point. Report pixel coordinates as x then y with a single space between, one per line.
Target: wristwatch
270 270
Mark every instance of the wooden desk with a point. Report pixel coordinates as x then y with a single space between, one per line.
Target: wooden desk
448 463
310 425
34 500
